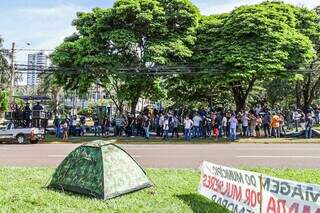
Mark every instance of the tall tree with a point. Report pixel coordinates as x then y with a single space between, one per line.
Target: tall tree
133 35
308 84
256 42
4 79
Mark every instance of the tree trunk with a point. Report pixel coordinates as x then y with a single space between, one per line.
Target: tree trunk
306 93
120 107
239 98
298 95
309 92
240 94
133 106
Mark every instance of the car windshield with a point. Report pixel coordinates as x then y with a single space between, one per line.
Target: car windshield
9 126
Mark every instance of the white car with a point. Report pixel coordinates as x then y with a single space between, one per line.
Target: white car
10 133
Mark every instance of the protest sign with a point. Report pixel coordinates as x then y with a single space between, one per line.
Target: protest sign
237 190
284 196
244 192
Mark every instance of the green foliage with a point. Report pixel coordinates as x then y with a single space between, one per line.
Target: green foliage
22 189
92 108
4 100
177 187
135 33
4 68
256 42
248 45
279 91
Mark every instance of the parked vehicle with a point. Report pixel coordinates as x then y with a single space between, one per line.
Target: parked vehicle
10 133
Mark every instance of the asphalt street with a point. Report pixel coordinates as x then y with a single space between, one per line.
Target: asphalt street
176 156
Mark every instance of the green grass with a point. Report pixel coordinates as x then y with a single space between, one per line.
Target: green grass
22 190
140 140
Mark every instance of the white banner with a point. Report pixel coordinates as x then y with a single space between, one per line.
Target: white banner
237 190
284 196
240 191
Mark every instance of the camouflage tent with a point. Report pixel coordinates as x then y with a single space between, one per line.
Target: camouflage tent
100 169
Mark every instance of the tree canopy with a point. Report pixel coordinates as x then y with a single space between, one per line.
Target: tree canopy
133 33
257 42
4 79
117 47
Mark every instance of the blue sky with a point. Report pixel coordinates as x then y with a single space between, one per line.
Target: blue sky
44 23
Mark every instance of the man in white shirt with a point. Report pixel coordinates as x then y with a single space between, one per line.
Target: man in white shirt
166 128
224 125
188 123
161 120
196 123
296 118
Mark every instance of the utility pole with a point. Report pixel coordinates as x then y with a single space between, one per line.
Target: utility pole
12 76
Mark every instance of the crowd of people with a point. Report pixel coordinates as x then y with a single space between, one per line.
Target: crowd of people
257 122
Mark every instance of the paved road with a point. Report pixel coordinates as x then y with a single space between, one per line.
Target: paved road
177 156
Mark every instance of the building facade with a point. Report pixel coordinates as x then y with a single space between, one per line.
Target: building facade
36 62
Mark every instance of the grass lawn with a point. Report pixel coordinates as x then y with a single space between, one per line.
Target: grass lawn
140 140
22 190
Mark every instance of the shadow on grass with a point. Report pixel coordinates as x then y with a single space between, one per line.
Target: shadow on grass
201 204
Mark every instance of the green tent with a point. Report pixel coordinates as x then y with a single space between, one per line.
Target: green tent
100 169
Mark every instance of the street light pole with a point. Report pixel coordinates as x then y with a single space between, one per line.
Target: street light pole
12 76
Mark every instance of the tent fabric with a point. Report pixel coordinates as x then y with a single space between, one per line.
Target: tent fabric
100 169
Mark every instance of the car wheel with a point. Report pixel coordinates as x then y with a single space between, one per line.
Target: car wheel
21 139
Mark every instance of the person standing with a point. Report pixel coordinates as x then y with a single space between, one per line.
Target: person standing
282 122
140 125
309 124
65 128
275 124
146 126
175 124
157 124
161 120
96 126
166 128
219 119
118 123
56 123
253 124
129 125
233 121
296 118
27 115
216 128
245 124
288 119
82 125
188 123
204 128
196 125
74 125
224 125
258 125
303 121
266 121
